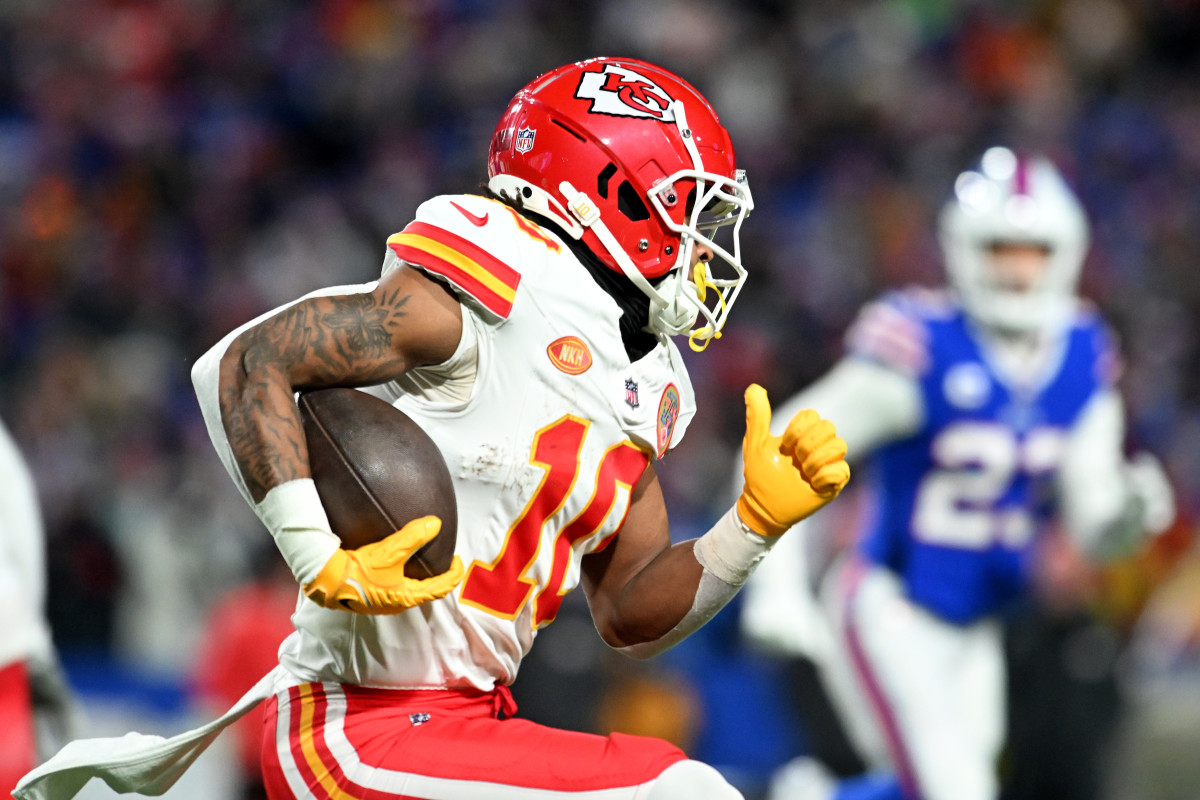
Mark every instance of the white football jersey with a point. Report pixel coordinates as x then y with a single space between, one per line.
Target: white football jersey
545 442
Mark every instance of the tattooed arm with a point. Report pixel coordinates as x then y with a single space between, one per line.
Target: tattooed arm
246 385
408 320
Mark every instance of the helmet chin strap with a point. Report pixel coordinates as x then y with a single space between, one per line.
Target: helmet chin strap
669 316
673 311
537 200
666 315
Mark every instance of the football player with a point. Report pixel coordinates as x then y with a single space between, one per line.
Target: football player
527 329
984 408
36 705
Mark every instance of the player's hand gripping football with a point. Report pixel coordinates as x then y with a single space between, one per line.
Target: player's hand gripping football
787 477
371 580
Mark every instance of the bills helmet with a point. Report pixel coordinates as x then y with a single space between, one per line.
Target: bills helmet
631 160
1013 199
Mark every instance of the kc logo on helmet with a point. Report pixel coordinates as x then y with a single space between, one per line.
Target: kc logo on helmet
622 92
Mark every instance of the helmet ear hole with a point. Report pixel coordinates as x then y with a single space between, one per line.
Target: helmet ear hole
629 204
603 179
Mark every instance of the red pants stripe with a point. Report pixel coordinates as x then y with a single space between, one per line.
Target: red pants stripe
335 742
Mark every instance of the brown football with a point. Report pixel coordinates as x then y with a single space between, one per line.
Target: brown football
376 470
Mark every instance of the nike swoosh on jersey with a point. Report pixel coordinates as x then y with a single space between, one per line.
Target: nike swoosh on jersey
475 219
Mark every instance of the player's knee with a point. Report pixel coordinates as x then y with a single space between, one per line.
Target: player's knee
688 780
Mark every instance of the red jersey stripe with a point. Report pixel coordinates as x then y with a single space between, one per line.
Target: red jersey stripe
485 277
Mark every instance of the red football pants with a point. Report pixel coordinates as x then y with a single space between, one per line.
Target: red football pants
16 726
339 742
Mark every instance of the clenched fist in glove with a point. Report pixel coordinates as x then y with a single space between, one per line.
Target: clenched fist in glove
371 579
788 477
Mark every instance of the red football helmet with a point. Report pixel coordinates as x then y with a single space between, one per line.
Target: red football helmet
632 160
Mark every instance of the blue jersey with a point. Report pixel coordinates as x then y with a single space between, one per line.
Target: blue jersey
959 503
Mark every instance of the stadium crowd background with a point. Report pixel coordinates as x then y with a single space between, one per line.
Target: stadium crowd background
170 169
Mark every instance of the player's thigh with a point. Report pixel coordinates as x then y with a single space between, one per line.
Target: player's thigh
984 678
955 720
840 671
322 746
935 689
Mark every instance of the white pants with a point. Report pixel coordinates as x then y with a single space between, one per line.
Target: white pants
918 695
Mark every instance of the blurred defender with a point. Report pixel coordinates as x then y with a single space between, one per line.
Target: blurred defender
528 332
985 408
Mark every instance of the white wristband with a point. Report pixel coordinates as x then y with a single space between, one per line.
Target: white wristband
730 550
297 521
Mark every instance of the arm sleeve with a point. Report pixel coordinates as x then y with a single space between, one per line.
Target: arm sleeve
869 404
780 613
728 553
1100 508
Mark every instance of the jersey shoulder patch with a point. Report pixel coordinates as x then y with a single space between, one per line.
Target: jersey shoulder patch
894 331
474 243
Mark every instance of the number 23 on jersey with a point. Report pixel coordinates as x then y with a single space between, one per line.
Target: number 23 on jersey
960 503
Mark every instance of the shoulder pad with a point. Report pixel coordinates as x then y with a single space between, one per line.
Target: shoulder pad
892 331
474 243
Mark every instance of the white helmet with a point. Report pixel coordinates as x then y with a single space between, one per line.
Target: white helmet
1013 199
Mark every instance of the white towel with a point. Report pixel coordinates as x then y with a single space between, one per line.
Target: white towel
135 762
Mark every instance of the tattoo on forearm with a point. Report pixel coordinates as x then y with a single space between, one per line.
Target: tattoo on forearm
345 340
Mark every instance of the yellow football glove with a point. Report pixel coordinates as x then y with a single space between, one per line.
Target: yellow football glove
371 580
787 477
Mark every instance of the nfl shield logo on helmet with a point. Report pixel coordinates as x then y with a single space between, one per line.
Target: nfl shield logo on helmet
525 139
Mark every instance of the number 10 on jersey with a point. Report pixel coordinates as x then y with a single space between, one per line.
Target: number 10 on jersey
503 587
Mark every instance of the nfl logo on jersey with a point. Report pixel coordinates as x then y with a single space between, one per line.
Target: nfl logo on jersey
631 392
525 140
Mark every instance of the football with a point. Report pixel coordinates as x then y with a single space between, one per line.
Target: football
376 470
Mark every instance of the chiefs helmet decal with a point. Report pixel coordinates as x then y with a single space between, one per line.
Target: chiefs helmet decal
623 92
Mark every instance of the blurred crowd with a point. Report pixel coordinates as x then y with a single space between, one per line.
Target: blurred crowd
170 169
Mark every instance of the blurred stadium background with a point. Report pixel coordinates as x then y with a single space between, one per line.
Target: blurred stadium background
170 169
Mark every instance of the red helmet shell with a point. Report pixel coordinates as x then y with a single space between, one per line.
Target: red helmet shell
607 126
